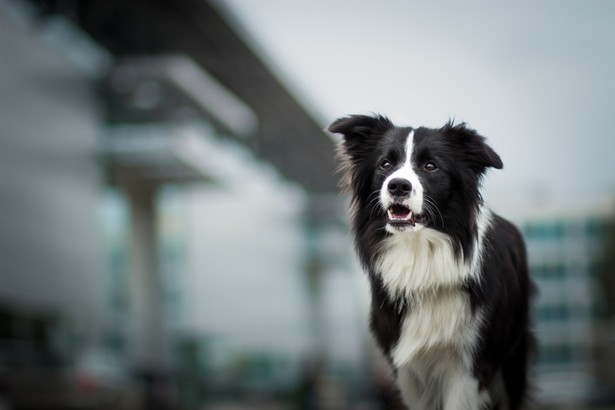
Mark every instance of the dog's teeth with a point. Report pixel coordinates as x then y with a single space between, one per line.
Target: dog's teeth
409 217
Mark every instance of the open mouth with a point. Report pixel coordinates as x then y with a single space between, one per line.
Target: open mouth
399 215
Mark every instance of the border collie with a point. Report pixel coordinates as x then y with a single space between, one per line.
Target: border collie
449 280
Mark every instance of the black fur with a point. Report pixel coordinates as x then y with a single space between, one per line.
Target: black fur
463 157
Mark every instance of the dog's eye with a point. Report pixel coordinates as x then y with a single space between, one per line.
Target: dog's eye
430 167
386 164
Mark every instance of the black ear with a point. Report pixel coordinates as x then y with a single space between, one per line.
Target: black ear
357 126
473 147
361 134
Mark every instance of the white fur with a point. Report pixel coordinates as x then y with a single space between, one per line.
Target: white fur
483 222
412 263
441 382
406 171
411 389
434 353
442 320
440 332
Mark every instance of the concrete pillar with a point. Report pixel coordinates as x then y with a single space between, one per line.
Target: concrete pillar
147 347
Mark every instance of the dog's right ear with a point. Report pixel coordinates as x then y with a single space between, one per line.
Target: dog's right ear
361 133
360 126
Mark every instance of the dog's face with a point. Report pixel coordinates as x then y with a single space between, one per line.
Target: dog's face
411 178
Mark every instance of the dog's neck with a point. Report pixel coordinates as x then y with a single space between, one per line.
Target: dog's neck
412 264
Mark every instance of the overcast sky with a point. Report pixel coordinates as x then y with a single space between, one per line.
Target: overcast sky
536 78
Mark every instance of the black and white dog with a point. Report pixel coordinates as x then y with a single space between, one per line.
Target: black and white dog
449 279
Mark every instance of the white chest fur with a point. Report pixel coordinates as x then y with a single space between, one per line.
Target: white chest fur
440 321
421 268
440 331
418 262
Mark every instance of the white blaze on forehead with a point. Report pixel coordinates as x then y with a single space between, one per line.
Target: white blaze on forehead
406 171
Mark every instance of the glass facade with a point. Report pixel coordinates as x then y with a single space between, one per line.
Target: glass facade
563 258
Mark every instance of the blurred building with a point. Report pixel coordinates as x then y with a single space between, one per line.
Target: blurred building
221 268
50 252
565 255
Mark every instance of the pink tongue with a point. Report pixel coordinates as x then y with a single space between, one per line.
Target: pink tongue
399 212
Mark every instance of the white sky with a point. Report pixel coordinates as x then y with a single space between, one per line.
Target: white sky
536 78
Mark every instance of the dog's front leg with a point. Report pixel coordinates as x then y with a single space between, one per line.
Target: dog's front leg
461 392
411 389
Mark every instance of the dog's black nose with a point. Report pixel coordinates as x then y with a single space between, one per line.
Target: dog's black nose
399 187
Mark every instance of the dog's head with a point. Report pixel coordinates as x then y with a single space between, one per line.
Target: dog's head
405 178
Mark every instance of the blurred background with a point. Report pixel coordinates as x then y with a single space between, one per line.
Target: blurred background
171 236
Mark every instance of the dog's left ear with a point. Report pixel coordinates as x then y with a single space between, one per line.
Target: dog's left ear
476 152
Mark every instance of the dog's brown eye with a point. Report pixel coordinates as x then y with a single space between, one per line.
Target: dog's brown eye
430 166
386 165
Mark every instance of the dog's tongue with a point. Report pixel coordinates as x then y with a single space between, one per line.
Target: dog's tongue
399 212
